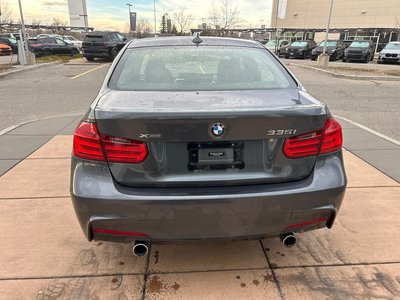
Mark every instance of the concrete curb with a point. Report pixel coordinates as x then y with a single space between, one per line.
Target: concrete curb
353 77
34 67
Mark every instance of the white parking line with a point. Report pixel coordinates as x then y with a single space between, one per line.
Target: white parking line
394 141
84 73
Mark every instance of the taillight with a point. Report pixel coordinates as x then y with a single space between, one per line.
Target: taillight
314 143
89 144
123 150
333 138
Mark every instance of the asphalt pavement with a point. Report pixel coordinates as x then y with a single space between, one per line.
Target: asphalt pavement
47 92
375 104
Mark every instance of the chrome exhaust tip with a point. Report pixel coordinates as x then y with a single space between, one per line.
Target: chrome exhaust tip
288 240
140 249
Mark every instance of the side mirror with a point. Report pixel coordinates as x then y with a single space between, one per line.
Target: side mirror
124 39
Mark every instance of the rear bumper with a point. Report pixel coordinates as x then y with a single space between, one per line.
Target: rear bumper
97 53
174 214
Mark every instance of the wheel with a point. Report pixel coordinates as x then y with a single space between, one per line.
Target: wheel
379 62
114 53
286 56
279 53
344 60
89 58
74 52
47 53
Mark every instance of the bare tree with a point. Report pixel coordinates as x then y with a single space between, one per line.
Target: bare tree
36 23
224 14
5 12
183 19
143 28
59 25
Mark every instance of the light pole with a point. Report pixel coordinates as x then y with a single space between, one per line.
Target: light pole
155 18
23 27
130 21
323 59
276 27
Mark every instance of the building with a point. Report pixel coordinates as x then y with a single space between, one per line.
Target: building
351 19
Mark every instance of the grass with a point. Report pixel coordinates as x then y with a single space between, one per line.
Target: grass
57 58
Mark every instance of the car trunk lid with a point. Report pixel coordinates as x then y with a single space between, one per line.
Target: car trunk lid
177 128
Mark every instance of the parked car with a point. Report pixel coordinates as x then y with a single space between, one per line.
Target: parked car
347 43
359 50
390 54
334 48
194 138
102 44
281 49
300 49
5 50
45 46
66 38
72 40
11 35
10 42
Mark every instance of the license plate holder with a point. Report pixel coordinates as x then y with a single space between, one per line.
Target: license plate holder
215 156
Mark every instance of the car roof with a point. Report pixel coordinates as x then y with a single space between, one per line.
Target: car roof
394 42
187 41
101 32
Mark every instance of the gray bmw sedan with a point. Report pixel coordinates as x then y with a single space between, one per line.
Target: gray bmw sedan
204 138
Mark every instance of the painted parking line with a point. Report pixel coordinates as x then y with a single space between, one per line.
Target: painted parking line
392 140
87 72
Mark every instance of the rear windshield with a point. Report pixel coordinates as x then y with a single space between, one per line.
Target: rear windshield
360 44
94 38
298 44
198 69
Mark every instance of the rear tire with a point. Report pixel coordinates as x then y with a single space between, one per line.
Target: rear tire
47 53
344 60
88 58
114 53
74 52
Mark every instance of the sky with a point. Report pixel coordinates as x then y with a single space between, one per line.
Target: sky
113 15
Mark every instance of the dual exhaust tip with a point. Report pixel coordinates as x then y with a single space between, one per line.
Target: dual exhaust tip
288 240
141 249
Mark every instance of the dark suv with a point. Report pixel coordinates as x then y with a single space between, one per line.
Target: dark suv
360 51
102 44
300 49
334 48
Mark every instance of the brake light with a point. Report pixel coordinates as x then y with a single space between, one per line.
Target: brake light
89 144
319 142
333 138
36 45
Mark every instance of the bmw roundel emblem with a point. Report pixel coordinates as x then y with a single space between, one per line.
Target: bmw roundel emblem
218 129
